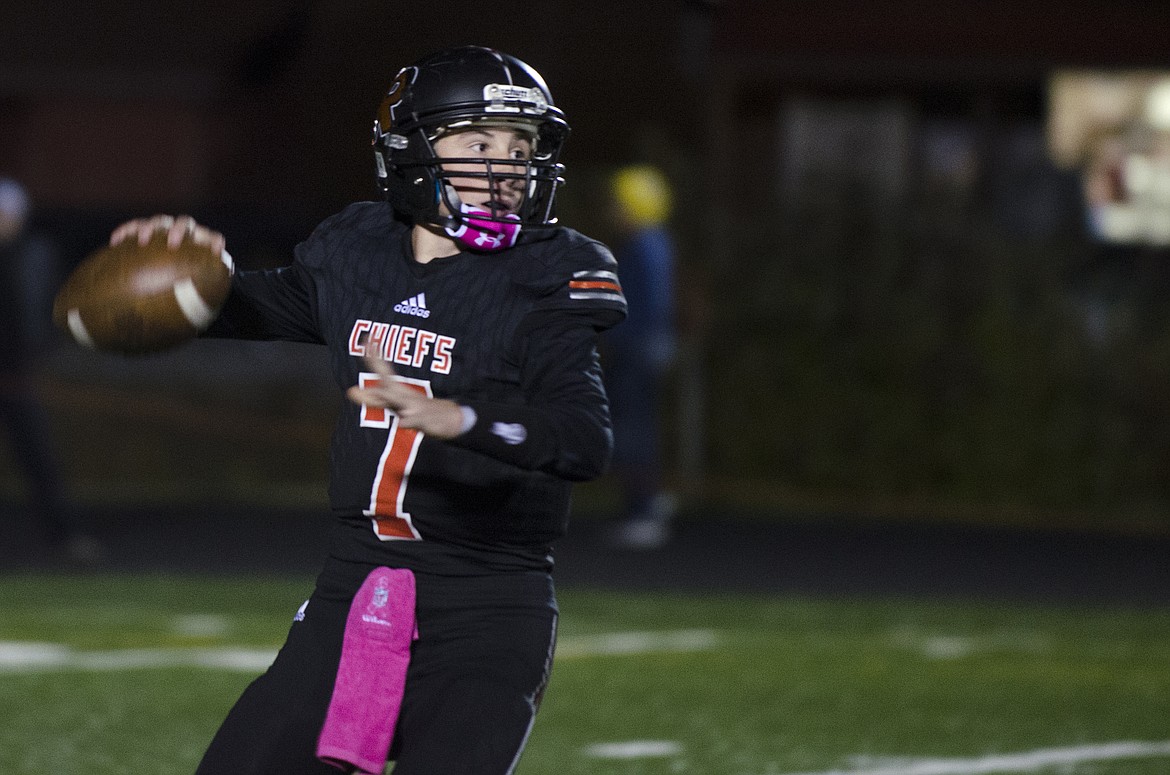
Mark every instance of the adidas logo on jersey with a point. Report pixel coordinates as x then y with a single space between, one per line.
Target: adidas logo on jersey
415 305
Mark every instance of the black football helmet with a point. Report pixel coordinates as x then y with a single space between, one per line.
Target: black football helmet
463 87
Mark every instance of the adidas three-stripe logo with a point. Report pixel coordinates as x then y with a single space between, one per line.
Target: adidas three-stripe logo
415 305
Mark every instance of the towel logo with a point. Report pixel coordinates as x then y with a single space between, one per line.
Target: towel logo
380 598
381 594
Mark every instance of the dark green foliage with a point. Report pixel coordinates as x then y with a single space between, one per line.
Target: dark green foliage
938 358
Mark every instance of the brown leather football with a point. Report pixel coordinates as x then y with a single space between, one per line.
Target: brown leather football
133 298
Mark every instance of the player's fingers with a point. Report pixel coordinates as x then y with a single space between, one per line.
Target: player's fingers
153 223
212 239
380 367
125 230
373 396
141 228
180 228
366 396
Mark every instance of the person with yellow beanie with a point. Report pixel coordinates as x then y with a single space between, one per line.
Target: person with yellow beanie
640 351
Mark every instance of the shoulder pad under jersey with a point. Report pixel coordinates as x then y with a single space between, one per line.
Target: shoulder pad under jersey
572 272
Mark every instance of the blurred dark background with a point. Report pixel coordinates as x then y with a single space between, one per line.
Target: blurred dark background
923 244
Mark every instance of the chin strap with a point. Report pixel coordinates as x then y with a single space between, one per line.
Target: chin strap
482 234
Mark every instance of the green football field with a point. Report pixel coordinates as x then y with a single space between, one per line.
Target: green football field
131 674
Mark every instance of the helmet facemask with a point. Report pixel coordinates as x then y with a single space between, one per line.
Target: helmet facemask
434 199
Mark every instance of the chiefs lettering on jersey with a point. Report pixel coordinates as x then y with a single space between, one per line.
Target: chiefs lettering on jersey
402 345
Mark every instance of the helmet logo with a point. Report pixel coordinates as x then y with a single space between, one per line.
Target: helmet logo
386 118
506 98
402 82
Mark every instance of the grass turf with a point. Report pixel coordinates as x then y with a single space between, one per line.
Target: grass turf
779 685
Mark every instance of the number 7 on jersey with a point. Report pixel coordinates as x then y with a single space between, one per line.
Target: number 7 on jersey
390 520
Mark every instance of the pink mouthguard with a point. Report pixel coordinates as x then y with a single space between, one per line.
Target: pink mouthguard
485 235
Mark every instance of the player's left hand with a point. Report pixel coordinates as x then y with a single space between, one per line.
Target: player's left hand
436 417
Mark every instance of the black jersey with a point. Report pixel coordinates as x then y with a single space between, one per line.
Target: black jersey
511 335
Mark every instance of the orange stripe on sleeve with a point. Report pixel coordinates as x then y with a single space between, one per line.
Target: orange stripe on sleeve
596 284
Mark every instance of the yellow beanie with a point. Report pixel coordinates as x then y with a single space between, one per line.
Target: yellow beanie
644 193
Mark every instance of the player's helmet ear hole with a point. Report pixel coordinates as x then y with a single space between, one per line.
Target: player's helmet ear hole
461 87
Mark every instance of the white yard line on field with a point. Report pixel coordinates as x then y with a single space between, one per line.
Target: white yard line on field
32 657
24 657
1027 761
202 625
943 647
633 749
649 642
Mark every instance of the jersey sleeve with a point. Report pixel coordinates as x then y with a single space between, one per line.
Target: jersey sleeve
281 303
581 279
563 428
270 304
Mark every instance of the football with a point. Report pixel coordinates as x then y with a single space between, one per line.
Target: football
132 298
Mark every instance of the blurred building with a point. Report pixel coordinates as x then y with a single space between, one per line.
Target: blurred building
874 200
897 97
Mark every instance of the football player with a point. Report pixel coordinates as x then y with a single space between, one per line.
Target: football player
463 324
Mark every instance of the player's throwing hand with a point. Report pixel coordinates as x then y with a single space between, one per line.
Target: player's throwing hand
436 417
177 228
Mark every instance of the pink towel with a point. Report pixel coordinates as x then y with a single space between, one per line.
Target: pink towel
359 724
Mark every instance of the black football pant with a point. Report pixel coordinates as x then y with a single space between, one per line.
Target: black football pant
474 682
